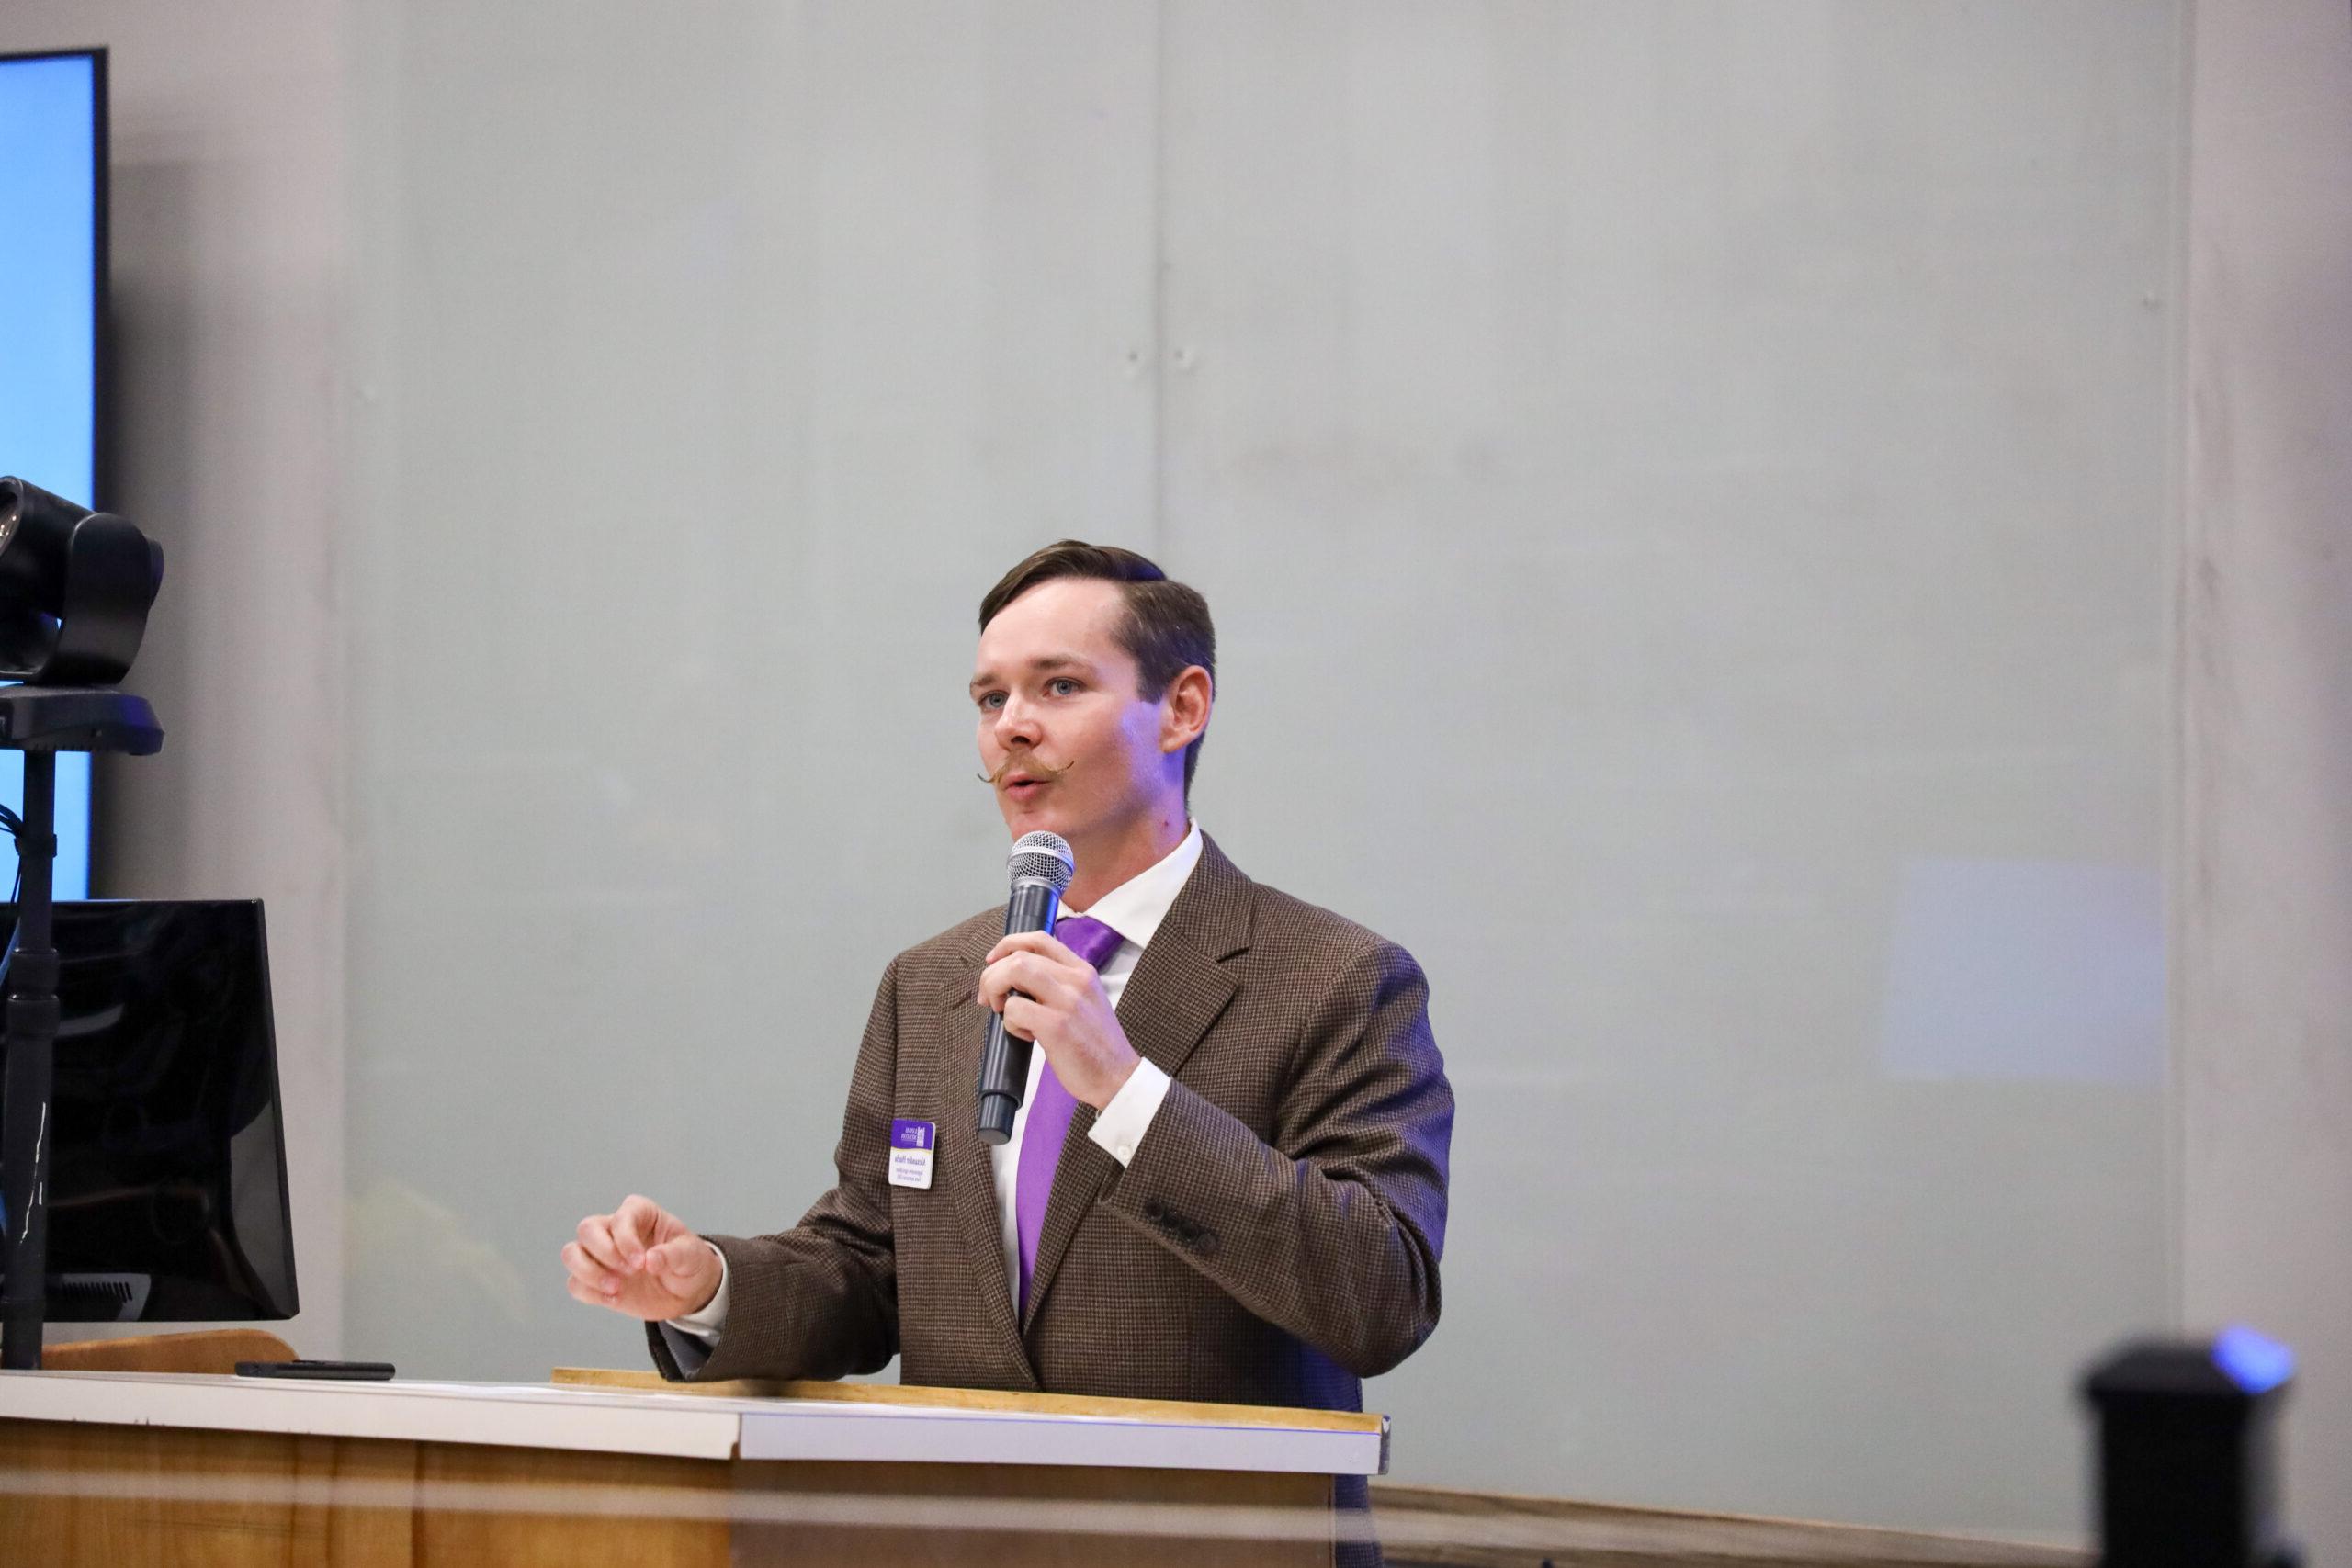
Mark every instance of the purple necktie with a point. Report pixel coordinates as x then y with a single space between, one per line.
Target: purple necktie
1049 1113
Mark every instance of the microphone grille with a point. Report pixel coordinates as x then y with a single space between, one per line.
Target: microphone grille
1041 857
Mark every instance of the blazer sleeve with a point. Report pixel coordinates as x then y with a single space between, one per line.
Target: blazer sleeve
821 1299
1331 1231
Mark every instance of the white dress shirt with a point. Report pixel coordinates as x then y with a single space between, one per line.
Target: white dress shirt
1134 909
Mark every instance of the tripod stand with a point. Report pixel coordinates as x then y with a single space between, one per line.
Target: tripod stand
42 721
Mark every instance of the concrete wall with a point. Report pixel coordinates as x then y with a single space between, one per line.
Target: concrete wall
1695 475
2263 974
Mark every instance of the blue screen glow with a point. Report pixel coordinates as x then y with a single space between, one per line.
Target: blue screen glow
2256 1364
48 319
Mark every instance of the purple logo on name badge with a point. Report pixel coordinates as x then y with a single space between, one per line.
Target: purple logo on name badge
911 1144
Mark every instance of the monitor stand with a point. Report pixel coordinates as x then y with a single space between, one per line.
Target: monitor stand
42 721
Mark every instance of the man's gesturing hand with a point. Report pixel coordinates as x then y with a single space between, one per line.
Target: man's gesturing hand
1050 995
641 1261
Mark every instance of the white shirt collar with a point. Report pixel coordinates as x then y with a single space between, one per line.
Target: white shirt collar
1135 906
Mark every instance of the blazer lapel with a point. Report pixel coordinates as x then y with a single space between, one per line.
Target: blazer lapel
1178 987
965 1164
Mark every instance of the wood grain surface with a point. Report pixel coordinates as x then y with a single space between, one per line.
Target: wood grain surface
87 1495
212 1350
91 1495
983 1399
972 1516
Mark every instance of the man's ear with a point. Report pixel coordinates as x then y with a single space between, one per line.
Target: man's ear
1185 709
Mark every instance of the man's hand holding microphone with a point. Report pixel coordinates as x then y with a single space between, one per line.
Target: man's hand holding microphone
641 1262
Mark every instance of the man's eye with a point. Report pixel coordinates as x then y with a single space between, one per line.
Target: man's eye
992 701
1062 686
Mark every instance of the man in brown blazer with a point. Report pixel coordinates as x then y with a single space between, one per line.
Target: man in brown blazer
1248 1203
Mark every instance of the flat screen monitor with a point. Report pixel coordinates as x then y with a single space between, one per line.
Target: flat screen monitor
52 309
167 1161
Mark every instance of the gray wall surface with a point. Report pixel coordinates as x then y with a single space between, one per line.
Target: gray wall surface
1683 491
2266 627
1687 492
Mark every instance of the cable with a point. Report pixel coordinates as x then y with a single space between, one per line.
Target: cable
15 826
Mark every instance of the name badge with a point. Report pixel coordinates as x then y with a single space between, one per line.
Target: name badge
912 1146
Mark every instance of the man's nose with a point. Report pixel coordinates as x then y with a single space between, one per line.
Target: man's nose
1016 721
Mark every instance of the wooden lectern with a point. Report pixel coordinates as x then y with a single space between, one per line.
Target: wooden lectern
122 1468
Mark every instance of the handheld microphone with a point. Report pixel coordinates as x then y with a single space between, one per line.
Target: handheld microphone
1042 866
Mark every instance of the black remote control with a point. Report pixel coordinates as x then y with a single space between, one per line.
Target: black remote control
347 1371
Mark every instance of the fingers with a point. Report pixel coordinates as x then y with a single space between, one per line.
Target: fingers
628 1303
1033 973
639 1261
595 1239
635 1225
679 1264
675 1260
1024 1017
1041 943
681 1259
609 1248
590 1281
686 1270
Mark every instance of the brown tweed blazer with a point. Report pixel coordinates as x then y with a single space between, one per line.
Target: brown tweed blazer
1275 1240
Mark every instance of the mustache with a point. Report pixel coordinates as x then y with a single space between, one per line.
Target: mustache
1020 761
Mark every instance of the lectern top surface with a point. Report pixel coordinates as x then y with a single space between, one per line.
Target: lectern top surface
690 1425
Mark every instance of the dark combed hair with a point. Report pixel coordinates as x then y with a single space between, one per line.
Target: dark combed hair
1166 630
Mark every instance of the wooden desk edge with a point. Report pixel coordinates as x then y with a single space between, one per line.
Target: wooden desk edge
985 1399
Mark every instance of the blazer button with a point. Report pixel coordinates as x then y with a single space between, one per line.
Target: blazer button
1205 1242
1154 1210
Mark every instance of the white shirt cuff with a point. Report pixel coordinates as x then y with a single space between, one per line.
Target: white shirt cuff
707 1324
1123 1122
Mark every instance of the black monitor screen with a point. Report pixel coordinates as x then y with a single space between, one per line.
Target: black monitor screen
168 1167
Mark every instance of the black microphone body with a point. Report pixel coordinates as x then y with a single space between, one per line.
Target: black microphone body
1004 1060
